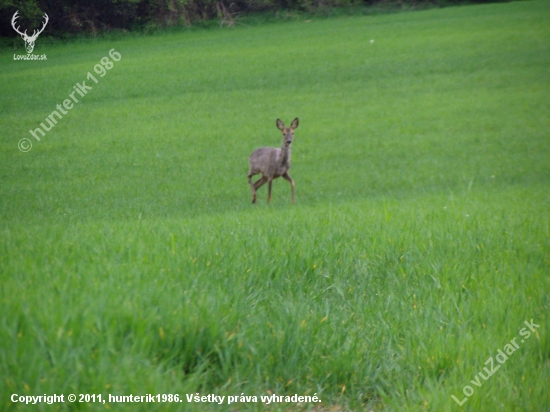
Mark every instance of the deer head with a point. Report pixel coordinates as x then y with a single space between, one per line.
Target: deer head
29 40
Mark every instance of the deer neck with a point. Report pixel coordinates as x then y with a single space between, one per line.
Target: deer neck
285 154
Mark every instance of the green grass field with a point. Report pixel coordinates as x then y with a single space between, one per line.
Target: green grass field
132 261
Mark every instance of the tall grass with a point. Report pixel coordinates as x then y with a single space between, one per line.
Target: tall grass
132 262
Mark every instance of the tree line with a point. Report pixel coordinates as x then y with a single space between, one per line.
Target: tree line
70 17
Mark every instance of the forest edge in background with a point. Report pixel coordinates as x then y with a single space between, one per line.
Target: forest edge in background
68 18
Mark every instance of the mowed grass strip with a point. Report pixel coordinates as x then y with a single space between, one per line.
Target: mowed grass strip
132 261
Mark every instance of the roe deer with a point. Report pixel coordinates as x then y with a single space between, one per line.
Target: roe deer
272 162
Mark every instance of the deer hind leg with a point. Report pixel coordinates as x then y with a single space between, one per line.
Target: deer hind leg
255 186
289 179
251 186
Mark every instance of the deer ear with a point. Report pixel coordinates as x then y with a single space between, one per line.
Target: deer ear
280 124
294 124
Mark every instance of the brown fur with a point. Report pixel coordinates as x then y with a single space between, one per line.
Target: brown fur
272 162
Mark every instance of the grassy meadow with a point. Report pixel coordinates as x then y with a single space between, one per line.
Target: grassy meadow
132 261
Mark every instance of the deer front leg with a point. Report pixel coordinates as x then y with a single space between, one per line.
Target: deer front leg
269 182
289 179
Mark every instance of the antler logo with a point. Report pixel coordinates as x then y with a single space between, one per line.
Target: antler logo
29 40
